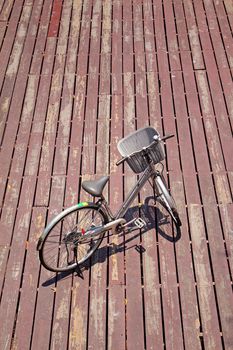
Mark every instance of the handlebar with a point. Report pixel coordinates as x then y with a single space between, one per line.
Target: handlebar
169 136
156 139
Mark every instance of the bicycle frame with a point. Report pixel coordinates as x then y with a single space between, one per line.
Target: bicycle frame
147 174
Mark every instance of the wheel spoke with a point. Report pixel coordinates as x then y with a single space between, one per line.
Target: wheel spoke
61 249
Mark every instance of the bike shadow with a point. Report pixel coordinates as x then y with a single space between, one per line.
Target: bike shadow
155 218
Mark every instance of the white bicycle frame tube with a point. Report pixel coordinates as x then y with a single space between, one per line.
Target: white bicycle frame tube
148 172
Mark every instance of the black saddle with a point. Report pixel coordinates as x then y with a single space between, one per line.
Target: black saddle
95 188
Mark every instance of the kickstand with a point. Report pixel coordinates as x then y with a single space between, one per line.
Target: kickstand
78 269
79 272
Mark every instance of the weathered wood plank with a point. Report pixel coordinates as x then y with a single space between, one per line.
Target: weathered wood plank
185 269
117 48
98 296
75 77
98 293
17 62
226 217
3 29
151 274
193 35
148 26
30 281
15 263
40 112
134 301
225 30
9 40
55 18
116 272
170 292
12 194
106 27
6 7
220 271
63 132
78 314
182 29
216 37
47 283
171 36
50 131
186 150
116 319
127 28
18 96
40 47
154 100
207 302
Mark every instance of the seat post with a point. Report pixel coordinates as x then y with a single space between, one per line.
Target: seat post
102 198
103 202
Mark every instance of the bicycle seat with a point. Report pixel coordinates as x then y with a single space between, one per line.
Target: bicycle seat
95 188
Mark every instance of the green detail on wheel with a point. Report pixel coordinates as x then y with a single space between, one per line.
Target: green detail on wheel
82 204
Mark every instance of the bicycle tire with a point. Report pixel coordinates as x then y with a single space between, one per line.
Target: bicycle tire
166 199
58 250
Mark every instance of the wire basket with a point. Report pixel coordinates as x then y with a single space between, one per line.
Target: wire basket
135 142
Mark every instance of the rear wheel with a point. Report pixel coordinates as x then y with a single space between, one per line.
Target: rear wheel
166 200
63 245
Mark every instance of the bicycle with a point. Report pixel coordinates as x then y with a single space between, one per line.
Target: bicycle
75 234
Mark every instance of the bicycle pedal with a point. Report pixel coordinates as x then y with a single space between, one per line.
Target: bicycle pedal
139 222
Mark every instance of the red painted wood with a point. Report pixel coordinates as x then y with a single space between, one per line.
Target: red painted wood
40 47
9 41
138 27
117 48
151 281
224 28
116 317
127 28
6 8
3 28
165 84
35 143
75 77
221 272
15 263
208 308
16 73
185 268
98 299
18 98
15 177
226 216
47 280
203 27
85 29
55 18
52 117
30 280
181 26
63 132
105 76
171 36
148 26
193 35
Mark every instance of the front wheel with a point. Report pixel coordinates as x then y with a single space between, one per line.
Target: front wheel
166 199
63 246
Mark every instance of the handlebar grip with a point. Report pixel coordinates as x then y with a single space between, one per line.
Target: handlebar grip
166 137
120 161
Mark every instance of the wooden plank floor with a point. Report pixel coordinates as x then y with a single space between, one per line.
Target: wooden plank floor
75 77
